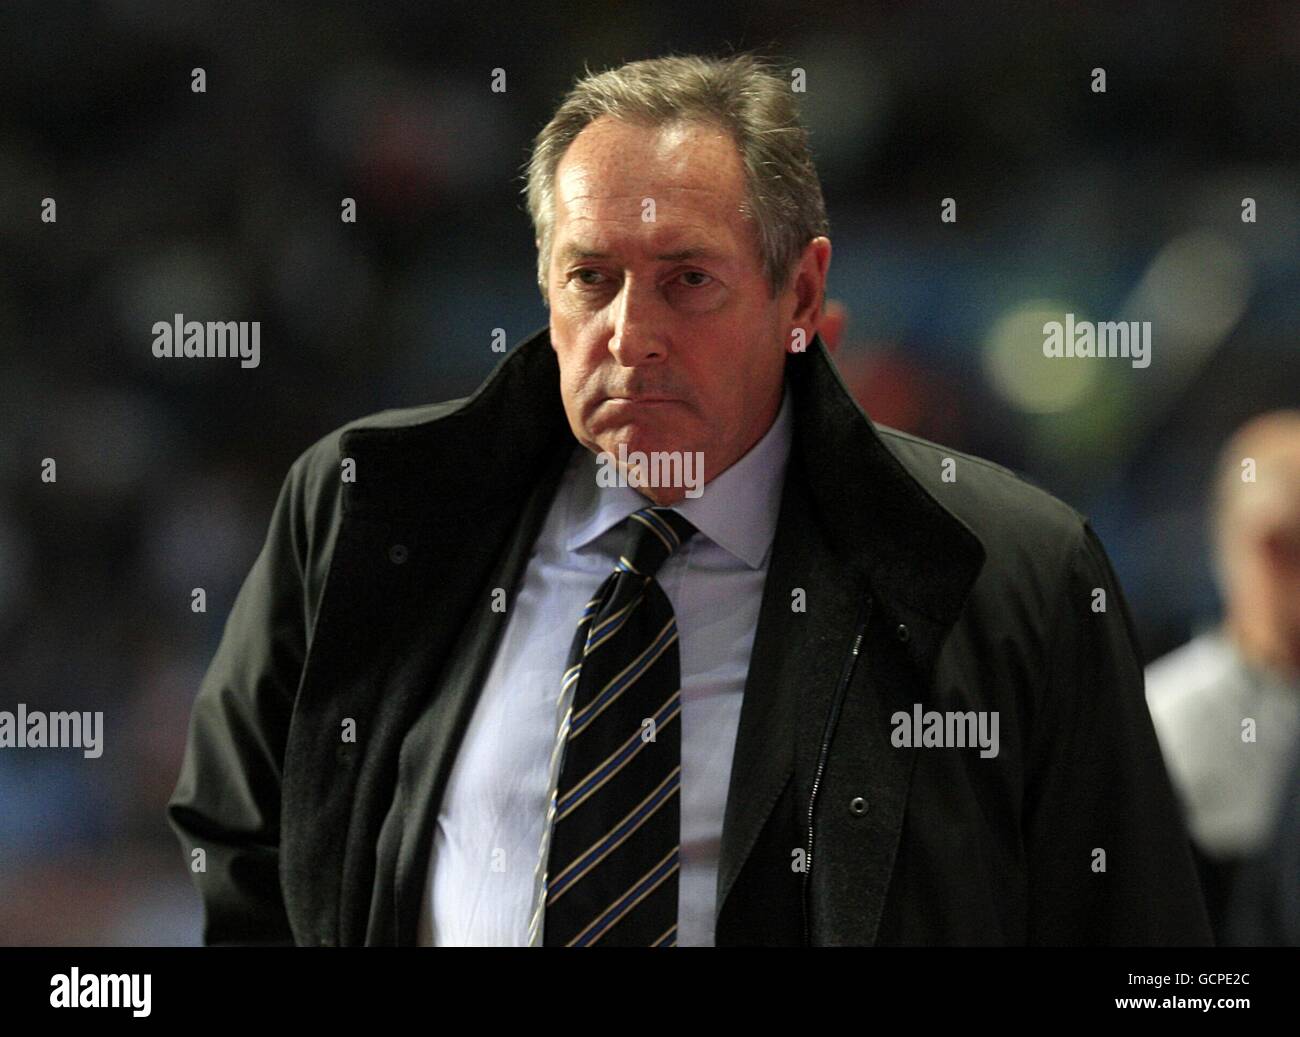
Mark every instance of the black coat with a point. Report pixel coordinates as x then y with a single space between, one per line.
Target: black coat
931 577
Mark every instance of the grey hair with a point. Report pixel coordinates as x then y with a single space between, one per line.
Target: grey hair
745 95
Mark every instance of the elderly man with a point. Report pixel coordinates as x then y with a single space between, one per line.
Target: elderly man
1226 705
503 674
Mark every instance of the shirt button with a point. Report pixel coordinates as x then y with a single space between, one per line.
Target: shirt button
902 633
397 554
858 806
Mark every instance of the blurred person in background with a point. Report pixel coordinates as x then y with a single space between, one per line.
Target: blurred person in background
1226 705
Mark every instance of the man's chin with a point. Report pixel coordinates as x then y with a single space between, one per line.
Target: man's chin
648 444
664 471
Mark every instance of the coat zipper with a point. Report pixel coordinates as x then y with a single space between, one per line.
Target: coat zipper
864 614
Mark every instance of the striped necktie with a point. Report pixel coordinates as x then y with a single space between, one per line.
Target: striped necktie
614 821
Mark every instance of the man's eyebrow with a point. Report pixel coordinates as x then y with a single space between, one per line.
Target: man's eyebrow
571 252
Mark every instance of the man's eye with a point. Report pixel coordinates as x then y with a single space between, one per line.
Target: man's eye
590 278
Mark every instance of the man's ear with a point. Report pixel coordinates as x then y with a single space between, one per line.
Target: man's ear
809 286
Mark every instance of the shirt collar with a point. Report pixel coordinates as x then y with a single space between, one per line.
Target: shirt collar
737 511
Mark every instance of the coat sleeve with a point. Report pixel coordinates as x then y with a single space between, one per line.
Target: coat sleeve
227 800
1108 855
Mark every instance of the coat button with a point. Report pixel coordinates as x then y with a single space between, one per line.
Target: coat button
398 553
902 633
858 806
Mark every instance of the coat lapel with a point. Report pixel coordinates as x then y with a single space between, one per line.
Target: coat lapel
854 524
431 509
429 751
791 670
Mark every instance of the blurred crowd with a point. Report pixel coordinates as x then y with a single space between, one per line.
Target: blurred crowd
225 205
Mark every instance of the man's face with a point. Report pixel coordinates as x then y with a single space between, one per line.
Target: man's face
661 320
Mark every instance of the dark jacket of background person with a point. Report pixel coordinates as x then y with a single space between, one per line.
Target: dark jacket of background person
1264 908
974 593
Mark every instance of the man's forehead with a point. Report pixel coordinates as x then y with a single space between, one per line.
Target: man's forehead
614 161
676 193
703 229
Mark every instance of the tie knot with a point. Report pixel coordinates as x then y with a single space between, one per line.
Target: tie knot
652 535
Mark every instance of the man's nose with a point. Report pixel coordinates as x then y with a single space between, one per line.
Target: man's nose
638 323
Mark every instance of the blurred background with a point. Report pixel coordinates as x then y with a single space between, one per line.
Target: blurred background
225 205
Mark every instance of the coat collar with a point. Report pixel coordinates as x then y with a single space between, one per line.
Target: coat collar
879 520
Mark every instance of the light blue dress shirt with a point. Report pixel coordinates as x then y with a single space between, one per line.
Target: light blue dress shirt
489 827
